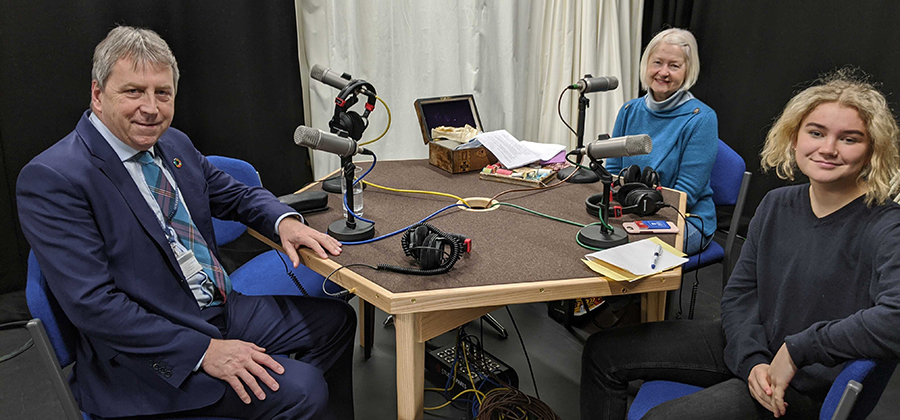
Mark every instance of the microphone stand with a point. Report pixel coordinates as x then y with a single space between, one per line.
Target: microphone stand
333 185
581 176
351 230
598 235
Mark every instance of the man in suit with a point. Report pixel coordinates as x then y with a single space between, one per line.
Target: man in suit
118 214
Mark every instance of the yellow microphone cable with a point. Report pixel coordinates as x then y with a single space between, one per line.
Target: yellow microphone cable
417 192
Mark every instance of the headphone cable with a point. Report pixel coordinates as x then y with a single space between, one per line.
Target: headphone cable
386 128
559 111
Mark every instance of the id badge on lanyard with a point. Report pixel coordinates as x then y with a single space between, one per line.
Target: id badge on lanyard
186 258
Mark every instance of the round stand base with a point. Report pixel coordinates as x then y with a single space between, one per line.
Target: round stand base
592 236
333 185
581 176
339 230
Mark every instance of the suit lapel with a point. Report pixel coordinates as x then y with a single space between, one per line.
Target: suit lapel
106 160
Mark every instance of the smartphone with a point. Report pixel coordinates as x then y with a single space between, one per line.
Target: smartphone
650 226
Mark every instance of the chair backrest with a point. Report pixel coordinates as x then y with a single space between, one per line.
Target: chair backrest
43 305
730 183
727 173
227 230
33 385
874 376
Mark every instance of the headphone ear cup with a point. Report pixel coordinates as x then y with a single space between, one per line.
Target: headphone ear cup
629 175
414 238
645 200
351 122
431 252
624 191
633 174
654 202
356 125
649 177
633 196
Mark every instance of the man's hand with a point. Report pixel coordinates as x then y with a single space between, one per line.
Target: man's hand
234 361
760 387
295 234
780 372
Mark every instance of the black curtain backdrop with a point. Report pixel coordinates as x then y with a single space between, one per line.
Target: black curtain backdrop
756 55
239 93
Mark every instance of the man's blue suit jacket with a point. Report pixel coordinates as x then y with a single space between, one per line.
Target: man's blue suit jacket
109 265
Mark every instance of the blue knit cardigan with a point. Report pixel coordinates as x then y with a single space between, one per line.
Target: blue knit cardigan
685 142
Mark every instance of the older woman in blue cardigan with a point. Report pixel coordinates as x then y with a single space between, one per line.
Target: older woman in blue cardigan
685 131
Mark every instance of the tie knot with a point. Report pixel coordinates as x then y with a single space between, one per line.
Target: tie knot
145 157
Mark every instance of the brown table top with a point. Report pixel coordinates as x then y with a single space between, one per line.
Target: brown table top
509 245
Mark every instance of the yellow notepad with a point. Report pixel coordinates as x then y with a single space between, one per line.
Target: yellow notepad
632 261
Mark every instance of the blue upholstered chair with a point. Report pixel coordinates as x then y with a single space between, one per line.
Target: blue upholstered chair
730 182
265 274
872 375
59 329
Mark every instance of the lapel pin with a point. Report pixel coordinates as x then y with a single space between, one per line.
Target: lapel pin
177 162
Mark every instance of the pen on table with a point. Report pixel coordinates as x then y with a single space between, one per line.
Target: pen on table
656 257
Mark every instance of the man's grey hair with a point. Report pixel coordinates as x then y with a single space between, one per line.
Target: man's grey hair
142 46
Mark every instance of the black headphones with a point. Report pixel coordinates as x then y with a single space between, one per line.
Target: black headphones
435 251
349 122
638 192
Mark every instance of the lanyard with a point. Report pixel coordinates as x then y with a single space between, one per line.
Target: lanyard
166 223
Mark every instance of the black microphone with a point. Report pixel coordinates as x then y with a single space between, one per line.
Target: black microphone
332 143
330 78
617 147
596 84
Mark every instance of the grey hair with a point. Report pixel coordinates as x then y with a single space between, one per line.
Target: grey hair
681 38
142 46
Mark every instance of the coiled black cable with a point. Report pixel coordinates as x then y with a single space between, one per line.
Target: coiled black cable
457 247
293 276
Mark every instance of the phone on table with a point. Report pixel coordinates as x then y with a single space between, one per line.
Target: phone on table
650 226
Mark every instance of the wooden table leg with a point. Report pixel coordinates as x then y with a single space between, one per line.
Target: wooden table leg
410 368
653 306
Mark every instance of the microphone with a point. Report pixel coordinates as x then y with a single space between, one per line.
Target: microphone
596 84
319 140
329 77
617 147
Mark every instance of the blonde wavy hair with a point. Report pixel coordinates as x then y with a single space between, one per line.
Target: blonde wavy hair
847 87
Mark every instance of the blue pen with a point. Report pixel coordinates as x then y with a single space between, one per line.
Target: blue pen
656 257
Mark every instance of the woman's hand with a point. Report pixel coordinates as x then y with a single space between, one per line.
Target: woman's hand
760 387
780 372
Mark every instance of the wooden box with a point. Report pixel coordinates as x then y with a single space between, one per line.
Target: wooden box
452 111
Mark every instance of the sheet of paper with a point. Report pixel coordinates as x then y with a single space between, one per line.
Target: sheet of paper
508 150
636 257
559 158
470 145
545 151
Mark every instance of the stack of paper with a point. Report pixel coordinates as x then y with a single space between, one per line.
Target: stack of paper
513 153
632 261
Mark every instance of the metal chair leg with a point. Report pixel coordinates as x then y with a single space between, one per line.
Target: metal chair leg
495 324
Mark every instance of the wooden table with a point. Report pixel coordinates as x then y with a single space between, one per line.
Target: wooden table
517 257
